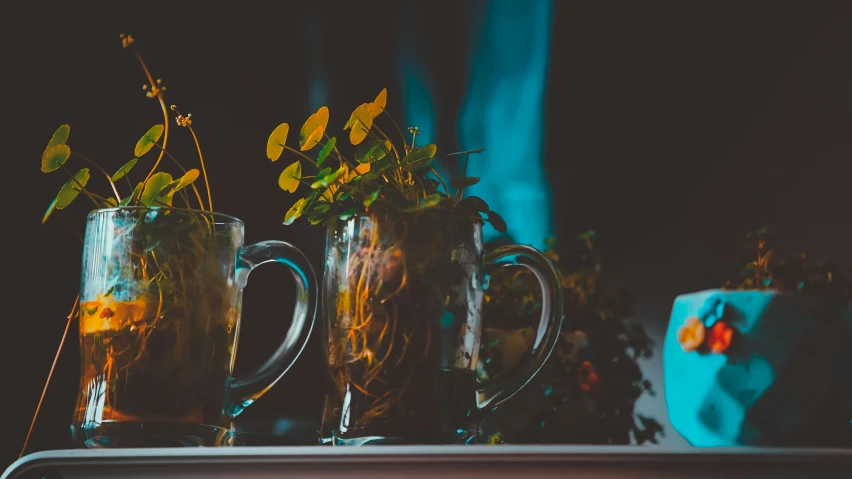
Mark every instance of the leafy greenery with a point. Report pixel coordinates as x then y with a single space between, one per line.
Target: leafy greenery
772 269
586 392
380 174
156 190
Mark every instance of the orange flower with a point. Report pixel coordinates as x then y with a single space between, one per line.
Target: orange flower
720 337
691 334
589 379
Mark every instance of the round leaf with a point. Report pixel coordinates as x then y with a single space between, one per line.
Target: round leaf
49 211
55 157
326 149
464 182
295 211
277 140
151 190
329 178
347 214
378 105
187 179
372 151
72 188
475 204
60 136
497 221
360 123
124 169
289 179
313 129
419 157
148 140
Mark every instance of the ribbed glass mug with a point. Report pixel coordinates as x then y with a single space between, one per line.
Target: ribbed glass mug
402 307
160 304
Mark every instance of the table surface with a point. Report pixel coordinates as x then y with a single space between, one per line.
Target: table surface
378 462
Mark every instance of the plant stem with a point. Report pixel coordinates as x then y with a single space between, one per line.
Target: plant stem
203 169
50 374
398 130
194 189
446 190
165 116
301 154
114 189
82 188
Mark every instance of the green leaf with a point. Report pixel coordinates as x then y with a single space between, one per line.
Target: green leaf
60 136
289 178
372 151
326 149
148 140
497 221
126 201
313 129
167 190
54 157
475 204
72 188
321 207
419 157
152 187
277 140
295 211
432 200
49 211
187 179
347 214
323 172
371 175
110 203
119 174
464 182
346 194
329 179
315 220
372 198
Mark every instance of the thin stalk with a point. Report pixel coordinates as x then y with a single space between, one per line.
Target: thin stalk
182 169
50 374
301 154
398 130
165 115
203 170
114 189
446 190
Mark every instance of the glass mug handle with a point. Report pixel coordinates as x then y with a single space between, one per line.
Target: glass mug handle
507 384
243 391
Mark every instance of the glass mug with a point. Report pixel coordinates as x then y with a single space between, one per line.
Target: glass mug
160 304
402 303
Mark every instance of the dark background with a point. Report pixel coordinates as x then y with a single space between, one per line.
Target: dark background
672 128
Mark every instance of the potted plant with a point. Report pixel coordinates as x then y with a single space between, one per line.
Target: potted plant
587 391
765 360
403 279
160 297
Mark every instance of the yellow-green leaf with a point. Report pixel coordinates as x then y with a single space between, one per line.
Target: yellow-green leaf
152 188
49 211
313 129
381 100
289 179
277 140
55 157
187 179
126 201
360 123
110 203
372 151
148 140
60 136
330 178
346 215
295 211
372 198
326 149
419 157
72 188
119 174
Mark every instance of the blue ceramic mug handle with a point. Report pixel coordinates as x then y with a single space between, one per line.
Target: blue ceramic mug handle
243 391
506 385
